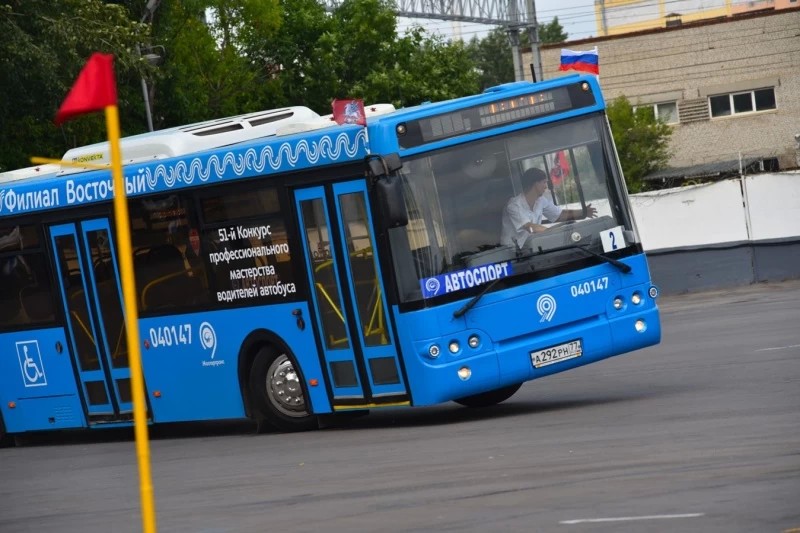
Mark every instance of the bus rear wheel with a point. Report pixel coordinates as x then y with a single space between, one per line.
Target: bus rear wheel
277 391
487 399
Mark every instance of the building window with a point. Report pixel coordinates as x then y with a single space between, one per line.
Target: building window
723 105
666 111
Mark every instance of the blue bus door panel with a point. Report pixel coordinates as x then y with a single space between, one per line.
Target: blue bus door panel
323 272
100 372
39 382
365 289
104 278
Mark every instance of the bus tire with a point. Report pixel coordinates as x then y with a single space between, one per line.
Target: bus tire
487 399
278 392
6 441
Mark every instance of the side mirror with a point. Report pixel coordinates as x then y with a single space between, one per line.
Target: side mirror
391 203
383 166
389 190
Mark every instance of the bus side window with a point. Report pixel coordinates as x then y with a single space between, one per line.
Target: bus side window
167 280
168 272
26 296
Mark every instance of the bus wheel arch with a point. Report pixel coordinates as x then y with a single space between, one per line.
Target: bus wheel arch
489 398
272 384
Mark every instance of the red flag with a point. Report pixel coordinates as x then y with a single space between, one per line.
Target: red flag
94 90
560 168
349 112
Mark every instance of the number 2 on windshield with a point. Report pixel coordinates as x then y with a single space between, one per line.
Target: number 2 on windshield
612 239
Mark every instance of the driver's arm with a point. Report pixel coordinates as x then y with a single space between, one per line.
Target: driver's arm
577 214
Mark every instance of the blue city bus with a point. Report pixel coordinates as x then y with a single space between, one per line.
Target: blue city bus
288 267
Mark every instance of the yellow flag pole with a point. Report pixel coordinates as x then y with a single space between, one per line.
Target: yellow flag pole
131 322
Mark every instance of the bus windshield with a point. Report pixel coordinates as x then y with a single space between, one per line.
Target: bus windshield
456 198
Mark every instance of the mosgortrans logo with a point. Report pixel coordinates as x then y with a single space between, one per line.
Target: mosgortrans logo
463 279
546 307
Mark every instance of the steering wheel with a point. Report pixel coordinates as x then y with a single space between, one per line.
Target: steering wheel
561 224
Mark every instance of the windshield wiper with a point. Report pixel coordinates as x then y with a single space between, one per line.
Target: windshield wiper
461 311
458 313
619 264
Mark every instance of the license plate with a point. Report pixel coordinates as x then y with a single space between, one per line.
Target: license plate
556 354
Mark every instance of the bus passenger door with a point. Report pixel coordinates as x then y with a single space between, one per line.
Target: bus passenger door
358 344
87 273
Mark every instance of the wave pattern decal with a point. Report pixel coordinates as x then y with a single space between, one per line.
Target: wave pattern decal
282 157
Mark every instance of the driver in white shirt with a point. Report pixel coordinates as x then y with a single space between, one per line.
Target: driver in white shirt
523 213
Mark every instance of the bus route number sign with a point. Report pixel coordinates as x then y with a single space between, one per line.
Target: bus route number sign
556 354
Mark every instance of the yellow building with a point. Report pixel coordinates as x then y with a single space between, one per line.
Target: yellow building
615 17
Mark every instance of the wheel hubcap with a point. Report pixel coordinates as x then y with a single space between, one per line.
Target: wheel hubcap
284 390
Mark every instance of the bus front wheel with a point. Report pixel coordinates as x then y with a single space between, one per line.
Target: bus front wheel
277 391
487 399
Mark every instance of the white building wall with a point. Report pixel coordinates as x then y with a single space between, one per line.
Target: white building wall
715 213
691 216
774 205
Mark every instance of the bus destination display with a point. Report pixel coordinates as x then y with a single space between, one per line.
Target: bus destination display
498 113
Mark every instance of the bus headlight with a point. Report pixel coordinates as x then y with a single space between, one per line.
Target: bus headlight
454 347
617 303
640 325
636 298
473 341
434 351
464 373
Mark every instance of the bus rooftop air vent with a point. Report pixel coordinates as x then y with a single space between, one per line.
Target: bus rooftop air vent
192 138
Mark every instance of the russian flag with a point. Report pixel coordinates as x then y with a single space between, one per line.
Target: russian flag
582 61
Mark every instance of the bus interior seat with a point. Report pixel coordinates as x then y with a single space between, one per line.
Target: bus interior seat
482 226
103 270
74 280
164 280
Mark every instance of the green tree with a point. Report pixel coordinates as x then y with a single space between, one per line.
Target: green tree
421 68
492 54
642 140
207 72
292 70
492 58
222 57
356 52
45 44
552 32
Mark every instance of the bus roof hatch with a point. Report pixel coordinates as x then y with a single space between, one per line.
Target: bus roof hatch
172 142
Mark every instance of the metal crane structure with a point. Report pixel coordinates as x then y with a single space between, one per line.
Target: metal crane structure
513 15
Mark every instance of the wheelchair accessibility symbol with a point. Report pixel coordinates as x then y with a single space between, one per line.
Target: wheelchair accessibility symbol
30 363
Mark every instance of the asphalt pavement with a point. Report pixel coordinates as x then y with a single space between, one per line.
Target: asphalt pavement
700 433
